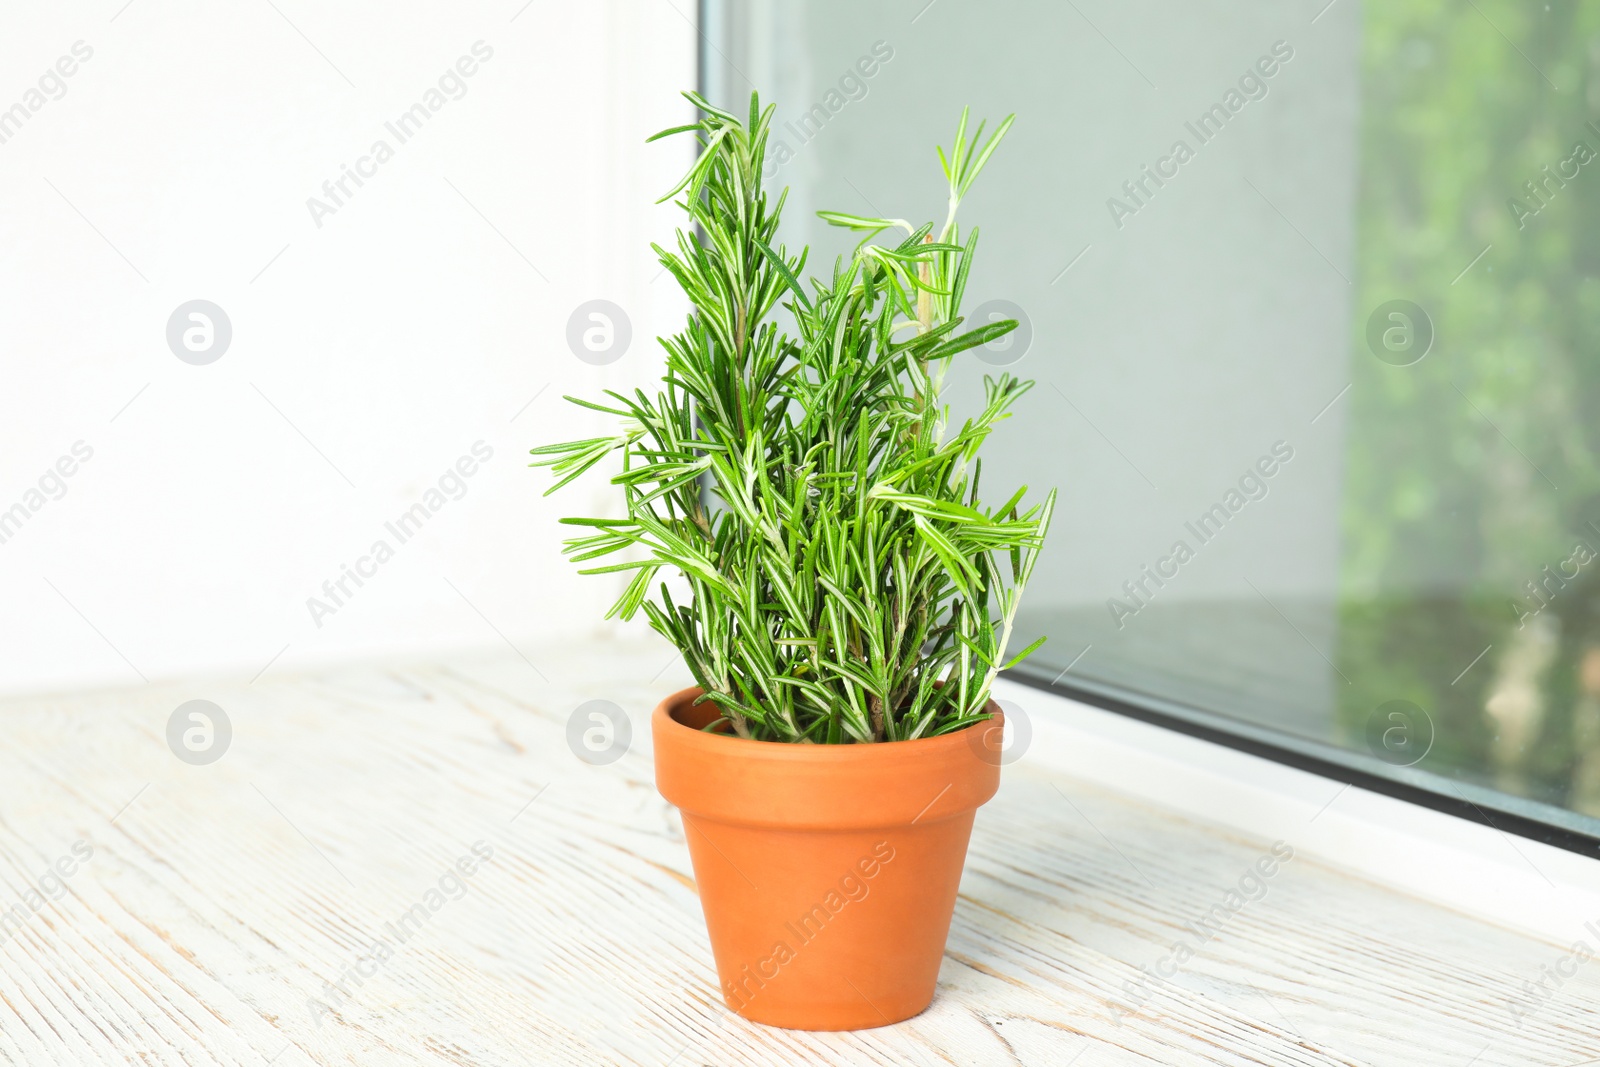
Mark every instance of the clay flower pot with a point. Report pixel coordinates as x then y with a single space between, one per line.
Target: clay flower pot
828 873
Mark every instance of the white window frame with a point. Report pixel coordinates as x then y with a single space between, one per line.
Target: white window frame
1511 880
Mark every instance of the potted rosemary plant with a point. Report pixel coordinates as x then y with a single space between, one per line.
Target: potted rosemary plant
849 597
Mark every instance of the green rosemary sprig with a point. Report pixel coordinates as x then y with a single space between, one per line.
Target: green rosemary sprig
846 584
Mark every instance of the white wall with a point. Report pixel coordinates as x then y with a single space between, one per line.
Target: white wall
177 165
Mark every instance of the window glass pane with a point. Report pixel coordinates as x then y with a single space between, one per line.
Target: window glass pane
1310 295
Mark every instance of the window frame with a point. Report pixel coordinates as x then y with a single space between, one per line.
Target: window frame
1493 816
1463 864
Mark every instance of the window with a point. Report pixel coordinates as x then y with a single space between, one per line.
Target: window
1310 292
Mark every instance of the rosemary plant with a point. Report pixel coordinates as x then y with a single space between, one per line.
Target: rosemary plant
845 583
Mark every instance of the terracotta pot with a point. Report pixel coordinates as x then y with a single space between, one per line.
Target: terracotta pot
828 873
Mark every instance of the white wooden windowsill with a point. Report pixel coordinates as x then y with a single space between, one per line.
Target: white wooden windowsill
221 902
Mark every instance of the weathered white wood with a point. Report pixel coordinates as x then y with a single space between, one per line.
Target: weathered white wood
222 897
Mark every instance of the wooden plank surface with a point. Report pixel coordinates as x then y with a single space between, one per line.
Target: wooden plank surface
264 908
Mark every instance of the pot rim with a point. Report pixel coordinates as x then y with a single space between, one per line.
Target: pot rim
857 750
824 787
